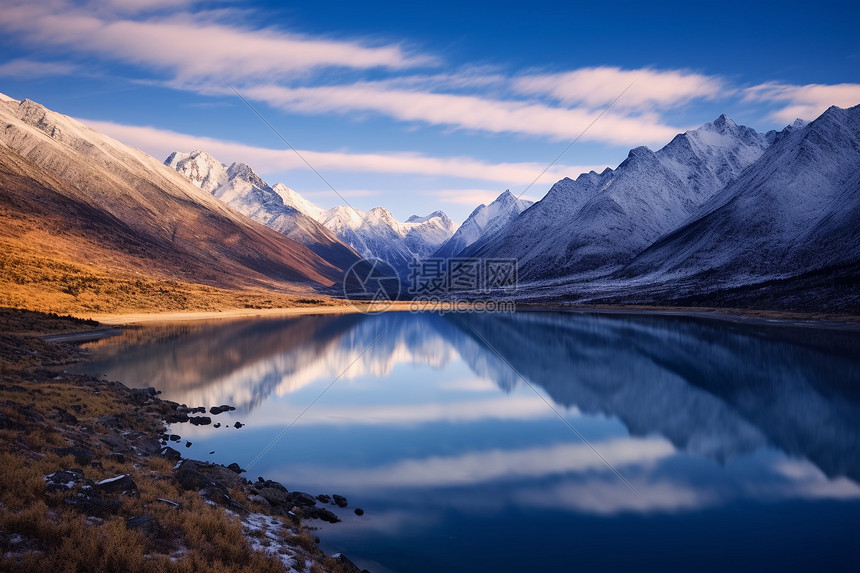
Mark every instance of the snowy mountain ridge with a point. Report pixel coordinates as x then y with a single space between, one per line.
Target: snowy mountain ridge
599 222
372 234
484 221
242 189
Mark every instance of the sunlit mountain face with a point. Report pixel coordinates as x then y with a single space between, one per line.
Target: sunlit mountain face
518 438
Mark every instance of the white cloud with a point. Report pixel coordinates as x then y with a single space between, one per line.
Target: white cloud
804 102
597 87
160 143
189 46
471 112
35 69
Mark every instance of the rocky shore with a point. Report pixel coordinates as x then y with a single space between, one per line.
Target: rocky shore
91 482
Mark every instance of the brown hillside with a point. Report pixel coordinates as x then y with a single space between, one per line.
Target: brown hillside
87 222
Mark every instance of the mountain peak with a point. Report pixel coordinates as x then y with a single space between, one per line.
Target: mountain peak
641 151
434 214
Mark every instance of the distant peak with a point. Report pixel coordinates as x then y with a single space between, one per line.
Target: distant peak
433 215
640 151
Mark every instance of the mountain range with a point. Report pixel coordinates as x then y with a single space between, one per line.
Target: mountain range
722 215
339 232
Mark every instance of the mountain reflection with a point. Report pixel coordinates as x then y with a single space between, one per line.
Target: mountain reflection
710 388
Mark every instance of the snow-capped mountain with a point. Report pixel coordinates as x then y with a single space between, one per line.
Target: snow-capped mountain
796 211
376 233
485 221
372 234
599 222
242 189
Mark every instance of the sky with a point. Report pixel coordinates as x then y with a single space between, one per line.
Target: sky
419 106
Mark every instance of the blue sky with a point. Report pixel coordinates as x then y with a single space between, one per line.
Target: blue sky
421 106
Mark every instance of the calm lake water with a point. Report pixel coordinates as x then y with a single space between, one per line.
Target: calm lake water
463 437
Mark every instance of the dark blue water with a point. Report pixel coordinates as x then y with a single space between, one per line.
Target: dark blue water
534 441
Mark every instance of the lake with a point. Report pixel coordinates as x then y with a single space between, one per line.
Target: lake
532 441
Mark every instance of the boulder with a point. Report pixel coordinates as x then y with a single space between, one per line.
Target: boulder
64 480
274 496
82 456
90 503
319 513
340 500
119 484
170 454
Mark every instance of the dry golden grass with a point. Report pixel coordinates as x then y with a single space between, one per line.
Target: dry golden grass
31 281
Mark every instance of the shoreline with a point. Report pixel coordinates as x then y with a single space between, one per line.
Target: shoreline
92 481
735 315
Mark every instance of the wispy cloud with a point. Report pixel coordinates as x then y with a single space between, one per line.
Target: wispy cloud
160 143
470 112
24 68
596 87
806 101
188 46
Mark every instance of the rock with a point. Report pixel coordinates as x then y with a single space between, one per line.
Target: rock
120 483
302 499
110 422
176 418
170 454
187 444
274 484
324 498
146 524
188 476
234 467
118 457
218 425
346 565
238 425
261 500
200 420
82 456
274 496
64 480
319 513
216 494
174 438
90 503
340 500
62 416
359 511
146 445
